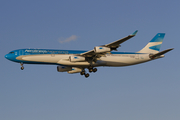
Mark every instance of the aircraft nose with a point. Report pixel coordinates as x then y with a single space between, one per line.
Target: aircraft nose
7 56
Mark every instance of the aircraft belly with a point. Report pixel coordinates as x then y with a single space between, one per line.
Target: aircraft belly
68 63
81 64
124 60
41 58
108 60
116 61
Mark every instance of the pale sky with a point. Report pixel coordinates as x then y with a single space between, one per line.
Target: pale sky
148 91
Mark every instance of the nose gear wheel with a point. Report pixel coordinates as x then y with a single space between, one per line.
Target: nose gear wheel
22 67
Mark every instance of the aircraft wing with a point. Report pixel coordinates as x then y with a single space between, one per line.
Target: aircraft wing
113 46
117 43
88 53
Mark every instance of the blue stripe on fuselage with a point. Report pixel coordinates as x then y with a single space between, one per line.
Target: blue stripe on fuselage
51 51
14 54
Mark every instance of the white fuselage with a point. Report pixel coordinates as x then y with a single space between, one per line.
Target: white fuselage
76 61
106 60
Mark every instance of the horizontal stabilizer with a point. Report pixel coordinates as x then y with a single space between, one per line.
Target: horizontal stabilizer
160 53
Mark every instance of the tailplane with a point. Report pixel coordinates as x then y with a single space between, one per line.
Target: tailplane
160 54
154 45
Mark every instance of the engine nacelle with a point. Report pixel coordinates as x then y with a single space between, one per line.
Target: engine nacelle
100 49
63 68
76 59
75 70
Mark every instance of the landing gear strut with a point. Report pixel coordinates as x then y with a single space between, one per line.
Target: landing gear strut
22 67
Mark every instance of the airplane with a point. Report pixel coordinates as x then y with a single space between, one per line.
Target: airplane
76 61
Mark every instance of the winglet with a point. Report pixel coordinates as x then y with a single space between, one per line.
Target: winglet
134 33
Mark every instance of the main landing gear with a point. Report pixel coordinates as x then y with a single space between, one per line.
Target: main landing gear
83 72
22 67
91 69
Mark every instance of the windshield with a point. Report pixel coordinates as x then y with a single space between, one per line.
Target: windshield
11 53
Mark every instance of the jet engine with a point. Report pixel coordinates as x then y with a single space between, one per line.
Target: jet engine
76 59
75 70
63 68
100 49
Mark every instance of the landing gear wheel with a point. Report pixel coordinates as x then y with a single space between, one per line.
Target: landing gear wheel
87 75
95 69
22 68
90 70
82 73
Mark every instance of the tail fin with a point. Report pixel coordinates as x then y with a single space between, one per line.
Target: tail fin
154 45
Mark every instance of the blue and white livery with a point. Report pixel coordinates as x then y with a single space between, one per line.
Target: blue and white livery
75 61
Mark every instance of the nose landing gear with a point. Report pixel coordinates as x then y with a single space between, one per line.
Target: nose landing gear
22 67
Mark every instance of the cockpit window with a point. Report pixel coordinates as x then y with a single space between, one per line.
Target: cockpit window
11 53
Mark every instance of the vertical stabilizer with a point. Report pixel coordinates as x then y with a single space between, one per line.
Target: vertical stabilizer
154 45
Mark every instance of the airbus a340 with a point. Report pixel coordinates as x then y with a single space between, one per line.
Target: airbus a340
75 61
